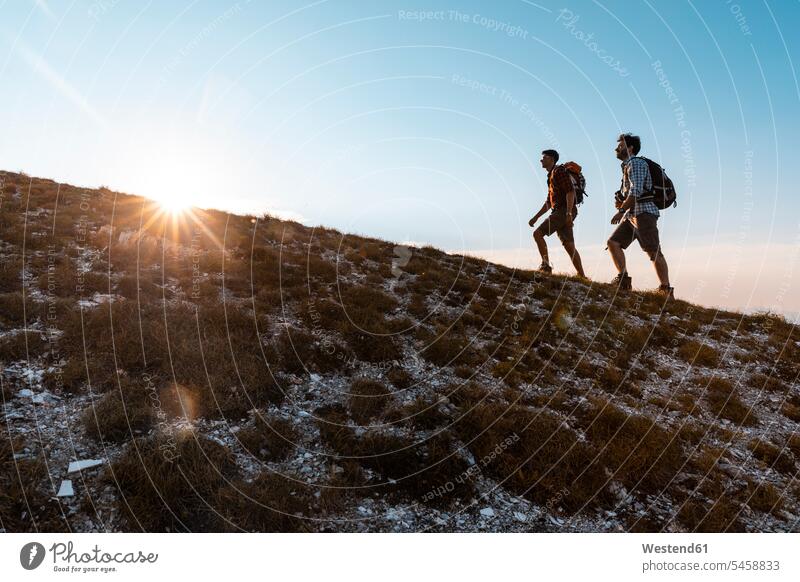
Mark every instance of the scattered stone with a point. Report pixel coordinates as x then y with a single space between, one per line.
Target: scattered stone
66 489
85 464
487 512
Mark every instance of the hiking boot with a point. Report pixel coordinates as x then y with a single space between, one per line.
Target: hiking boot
545 268
667 291
623 281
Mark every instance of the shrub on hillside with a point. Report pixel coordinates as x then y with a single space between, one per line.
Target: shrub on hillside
724 401
368 399
119 414
272 503
270 438
170 483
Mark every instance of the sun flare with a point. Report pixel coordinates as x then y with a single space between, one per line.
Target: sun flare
174 204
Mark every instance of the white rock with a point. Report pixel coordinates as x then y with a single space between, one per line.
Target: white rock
25 393
85 464
66 489
487 512
520 516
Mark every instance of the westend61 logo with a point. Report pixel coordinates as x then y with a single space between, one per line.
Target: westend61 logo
65 559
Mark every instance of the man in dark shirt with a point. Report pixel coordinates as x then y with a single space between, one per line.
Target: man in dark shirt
561 199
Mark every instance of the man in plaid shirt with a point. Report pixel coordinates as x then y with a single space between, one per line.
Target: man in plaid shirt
637 215
561 199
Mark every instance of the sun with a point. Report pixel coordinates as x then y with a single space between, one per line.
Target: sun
173 192
174 204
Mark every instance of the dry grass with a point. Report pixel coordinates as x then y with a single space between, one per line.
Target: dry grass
699 354
24 505
11 309
143 289
791 411
448 348
763 497
724 402
368 400
509 371
793 442
120 414
167 485
702 517
374 346
399 378
360 297
219 356
24 345
415 469
70 378
270 438
300 352
419 469
637 449
773 456
422 414
534 454
768 383
271 503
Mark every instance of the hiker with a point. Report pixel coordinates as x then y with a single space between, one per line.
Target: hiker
562 199
637 215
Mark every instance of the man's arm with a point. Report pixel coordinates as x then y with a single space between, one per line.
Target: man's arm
545 207
570 205
626 205
637 173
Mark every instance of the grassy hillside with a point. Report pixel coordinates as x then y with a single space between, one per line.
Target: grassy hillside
247 373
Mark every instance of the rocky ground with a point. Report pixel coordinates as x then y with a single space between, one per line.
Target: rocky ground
685 418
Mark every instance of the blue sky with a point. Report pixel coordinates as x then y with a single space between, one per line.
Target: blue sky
424 121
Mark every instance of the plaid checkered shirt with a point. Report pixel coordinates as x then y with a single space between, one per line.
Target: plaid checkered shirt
636 180
558 184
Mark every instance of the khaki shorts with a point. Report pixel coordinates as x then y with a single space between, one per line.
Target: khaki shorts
642 228
557 222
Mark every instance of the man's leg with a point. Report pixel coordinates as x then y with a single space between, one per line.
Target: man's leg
538 236
662 270
649 239
569 246
617 255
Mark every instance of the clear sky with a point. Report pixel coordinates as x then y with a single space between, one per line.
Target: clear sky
424 121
